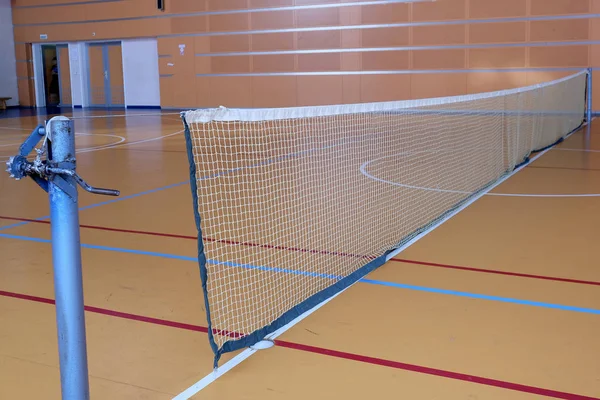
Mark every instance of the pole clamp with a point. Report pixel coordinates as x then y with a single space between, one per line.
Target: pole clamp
42 170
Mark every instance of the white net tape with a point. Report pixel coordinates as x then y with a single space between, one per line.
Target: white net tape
292 200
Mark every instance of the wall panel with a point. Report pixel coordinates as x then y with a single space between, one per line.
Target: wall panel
439 59
439 11
438 35
272 20
319 62
272 41
559 56
560 30
319 40
234 91
498 57
385 14
504 32
437 85
497 9
479 82
559 7
319 90
384 88
274 91
274 63
494 45
385 60
384 37
317 17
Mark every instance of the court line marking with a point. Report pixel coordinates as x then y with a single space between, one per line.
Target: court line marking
496 272
364 172
122 198
391 255
433 371
323 252
11 144
422 234
319 275
81 150
325 352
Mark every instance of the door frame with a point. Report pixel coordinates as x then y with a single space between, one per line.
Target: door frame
60 89
106 66
38 71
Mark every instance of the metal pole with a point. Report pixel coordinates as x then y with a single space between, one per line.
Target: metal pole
589 109
66 256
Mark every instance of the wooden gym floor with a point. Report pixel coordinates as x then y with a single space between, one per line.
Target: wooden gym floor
502 302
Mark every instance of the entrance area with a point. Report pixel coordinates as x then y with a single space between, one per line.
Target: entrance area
56 75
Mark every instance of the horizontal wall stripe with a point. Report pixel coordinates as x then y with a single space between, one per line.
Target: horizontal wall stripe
397 25
239 11
165 75
402 48
23 78
164 55
404 72
77 3
25 61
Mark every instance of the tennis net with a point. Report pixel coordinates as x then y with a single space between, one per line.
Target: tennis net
293 205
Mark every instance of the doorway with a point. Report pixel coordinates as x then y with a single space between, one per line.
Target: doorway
53 75
50 68
106 75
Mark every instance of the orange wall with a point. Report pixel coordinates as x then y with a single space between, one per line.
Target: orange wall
206 31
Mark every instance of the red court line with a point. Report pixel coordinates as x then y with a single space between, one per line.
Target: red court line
268 246
171 235
112 313
331 353
433 371
492 271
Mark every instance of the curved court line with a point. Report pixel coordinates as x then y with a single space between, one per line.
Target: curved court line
85 149
135 142
368 175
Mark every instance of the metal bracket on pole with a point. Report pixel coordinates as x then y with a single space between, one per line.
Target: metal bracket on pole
53 169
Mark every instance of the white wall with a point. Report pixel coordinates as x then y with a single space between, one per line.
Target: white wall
8 64
140 72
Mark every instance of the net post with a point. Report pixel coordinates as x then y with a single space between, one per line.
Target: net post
589 109
66 257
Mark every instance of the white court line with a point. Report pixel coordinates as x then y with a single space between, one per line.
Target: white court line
136 142
10 144
85 149
113 145
216 374
16 129
210 378
121 115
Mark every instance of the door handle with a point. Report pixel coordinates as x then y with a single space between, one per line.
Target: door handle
105 74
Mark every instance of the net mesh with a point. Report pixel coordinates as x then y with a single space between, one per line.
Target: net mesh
291 201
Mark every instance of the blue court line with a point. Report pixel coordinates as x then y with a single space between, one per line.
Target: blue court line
327 276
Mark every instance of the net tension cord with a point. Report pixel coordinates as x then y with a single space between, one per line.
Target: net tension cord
54 169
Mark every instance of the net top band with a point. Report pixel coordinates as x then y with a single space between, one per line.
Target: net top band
224 114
